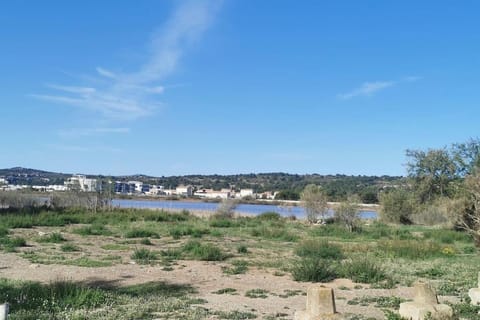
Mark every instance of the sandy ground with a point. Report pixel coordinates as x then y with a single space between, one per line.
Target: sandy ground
206 277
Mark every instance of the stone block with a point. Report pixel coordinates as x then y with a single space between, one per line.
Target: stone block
418 311
320 301
474 295
320 305
424 293
4 311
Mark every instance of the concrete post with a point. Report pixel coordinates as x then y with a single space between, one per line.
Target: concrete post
4 311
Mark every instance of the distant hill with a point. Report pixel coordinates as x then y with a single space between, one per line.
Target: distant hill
337 186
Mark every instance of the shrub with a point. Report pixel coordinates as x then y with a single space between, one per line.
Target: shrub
363 270
242 249
314 270
397 206
218 222
319 248
179 231
275 233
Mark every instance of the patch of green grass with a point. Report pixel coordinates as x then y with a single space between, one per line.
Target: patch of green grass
93 230
274 233
141 233
226 291
314 270
389 302
146 241
52 238
319 248
68 247
10 244
257 293
269 215
238 267
235 315
363 270
144 256
206 252
115 247
409 249
87 262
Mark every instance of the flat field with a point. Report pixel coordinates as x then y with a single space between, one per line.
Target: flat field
145 264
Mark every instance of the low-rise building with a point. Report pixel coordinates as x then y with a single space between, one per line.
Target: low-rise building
80 182
186 191
213 194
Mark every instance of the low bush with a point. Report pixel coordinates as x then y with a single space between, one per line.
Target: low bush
146 241
68 247
363 270
274 233
314 270
242 249
238 267
180 231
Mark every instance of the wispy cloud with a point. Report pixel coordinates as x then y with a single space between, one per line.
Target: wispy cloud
128 96
80 132
368 89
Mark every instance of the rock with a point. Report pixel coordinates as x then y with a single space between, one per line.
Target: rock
425 303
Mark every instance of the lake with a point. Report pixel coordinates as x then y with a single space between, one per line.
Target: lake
254 209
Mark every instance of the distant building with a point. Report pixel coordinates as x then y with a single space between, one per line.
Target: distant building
80 182
246 193
186 191
212 194
3 181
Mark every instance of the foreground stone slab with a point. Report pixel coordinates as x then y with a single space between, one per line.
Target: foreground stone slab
425 303
474 293
3 311
320 305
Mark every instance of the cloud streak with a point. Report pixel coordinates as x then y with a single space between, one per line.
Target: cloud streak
129 96
368 89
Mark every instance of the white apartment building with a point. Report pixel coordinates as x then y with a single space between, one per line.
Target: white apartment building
246 193
186 191
81 183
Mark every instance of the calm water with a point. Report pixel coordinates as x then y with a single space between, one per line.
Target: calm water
254 209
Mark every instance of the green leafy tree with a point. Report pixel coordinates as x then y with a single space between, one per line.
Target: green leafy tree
347 213
315 202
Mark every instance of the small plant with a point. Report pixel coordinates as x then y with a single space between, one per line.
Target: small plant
257 293
225 291
52 238
205 252
146 241
68 247
238 267
269 215
242 249
144 256
93 230
141 233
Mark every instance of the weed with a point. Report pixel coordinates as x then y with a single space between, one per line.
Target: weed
225 291
242 249
363 270
146 241
320 249
314 270
257 293
206 252
52 238
144 256
238 267
141 233
68 247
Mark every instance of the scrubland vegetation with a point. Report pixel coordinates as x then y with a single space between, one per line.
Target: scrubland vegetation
429 228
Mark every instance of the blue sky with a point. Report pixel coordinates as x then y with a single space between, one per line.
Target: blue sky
235 86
